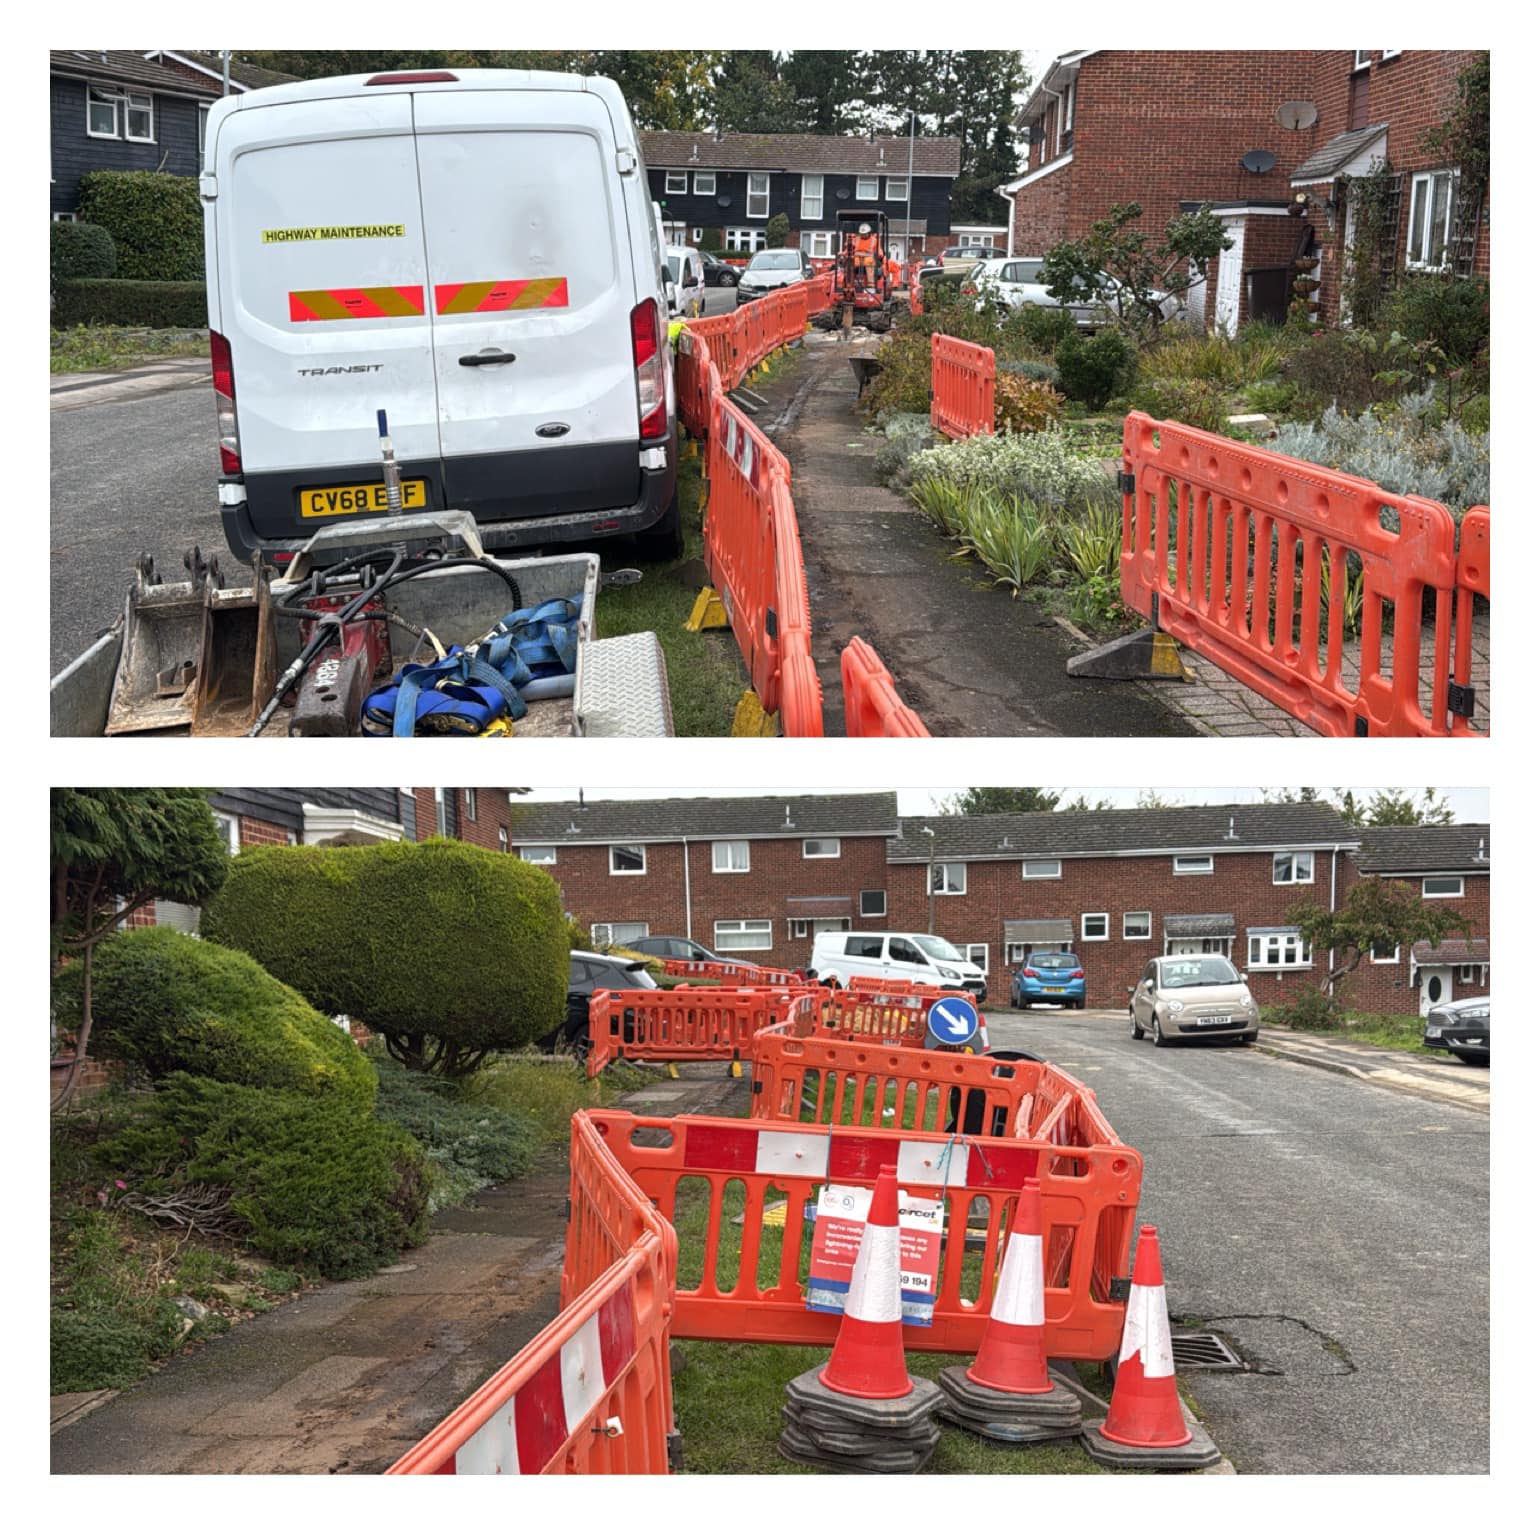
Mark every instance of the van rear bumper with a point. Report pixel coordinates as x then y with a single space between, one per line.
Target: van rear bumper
652 493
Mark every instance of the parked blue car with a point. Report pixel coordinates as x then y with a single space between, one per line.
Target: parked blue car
1049 979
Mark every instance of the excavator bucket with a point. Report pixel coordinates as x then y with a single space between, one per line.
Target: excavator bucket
238 668
162 647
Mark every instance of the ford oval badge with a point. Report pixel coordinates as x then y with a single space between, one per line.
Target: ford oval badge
552 431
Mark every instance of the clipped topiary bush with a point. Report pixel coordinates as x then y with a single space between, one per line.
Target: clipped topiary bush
1091 370
131 304
448 950
155 219
169 1003
314 1184
80 249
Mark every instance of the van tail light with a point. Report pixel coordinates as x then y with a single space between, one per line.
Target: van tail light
427 77
651 383
224 404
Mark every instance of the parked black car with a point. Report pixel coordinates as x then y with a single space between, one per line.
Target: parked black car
684 947
1462 1028
718 271
587 973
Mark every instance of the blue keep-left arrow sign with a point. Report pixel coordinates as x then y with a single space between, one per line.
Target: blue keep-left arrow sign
952 1020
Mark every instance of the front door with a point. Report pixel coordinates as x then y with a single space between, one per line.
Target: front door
1437 987
1227 292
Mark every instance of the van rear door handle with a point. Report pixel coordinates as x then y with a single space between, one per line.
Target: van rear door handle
489 357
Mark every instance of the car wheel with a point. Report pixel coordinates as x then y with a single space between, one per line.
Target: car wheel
1134 1030
1483 1060
1156 1032
1080 1004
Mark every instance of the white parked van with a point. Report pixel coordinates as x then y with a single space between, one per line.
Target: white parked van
919 956
472 252
688 277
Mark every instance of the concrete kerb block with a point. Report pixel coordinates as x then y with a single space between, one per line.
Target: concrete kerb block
1015 1418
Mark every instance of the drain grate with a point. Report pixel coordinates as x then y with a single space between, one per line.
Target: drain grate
1204 1351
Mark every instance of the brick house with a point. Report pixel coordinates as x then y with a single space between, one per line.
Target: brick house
736 182
128 110
1170 129
1448 864
753 876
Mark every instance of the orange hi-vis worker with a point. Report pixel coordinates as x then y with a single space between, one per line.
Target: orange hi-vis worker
864 247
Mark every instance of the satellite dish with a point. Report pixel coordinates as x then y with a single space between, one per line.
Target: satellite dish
1258 161
1296 115
842 194
724 201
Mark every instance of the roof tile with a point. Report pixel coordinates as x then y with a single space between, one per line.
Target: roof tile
564 822
1462 848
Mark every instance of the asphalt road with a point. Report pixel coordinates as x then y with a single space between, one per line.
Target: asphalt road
1334 1232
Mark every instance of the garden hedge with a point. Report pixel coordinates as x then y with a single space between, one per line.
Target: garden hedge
79 250
435 940
171 1003
130 304
155 219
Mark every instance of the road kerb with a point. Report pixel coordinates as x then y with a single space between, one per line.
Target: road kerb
1471 1101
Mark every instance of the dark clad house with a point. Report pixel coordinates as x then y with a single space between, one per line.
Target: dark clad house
736 182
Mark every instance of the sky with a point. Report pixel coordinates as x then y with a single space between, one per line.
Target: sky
1468 804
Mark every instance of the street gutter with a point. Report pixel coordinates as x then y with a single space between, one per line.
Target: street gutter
1390 1069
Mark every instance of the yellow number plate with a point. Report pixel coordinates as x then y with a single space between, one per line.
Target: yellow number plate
329 502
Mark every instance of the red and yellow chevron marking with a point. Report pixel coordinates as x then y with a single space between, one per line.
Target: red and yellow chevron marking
501 296
355 302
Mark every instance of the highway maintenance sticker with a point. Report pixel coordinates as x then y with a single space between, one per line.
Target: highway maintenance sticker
840 1221
325 235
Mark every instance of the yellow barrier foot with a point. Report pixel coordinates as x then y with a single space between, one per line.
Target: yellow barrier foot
735 1069
688 450
673 1071
1144 654
708 613
749 719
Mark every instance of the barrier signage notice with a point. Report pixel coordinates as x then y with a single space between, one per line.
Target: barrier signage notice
841 1218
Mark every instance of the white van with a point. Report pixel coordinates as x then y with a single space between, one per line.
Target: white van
688 277
472 252
919 956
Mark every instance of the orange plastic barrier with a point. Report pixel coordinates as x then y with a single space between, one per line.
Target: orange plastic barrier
1226 546
731 974
962 387
889 987
895 1017
872 705
916 303
690 1022
1473 578
741 1276
592 1393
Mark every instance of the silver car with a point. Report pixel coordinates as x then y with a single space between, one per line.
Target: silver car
1192 996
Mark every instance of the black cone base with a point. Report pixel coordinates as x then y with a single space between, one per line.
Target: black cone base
1015 1418
843 1434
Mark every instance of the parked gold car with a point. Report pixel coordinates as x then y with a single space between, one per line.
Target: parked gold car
1192 996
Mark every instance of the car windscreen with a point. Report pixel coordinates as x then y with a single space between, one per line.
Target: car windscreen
938 947
776 259
1180 973
1052 961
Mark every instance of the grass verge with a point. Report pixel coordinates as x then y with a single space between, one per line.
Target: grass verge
116 349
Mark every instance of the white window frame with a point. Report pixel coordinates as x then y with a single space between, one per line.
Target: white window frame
764 196
134 100
670 176
1016 953
66 216
1293 860
1468 974
818 243
537 852
1428 879
1149 927
943 866
1056 864
743 240
1105 917
1429 178
696 234
1206 859
1069 108
470 804
1288 942
1395 955
808 842
101 95
901 193
1389 53
977 953
502 839
809 200
608 927
705 182
673 232
634 847
203 131
440 813
230 830
122 102
746 926
1361 59
861 904
875 182
723 862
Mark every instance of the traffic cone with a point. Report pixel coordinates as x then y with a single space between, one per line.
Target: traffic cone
868 1356
1007 1394
1145 1426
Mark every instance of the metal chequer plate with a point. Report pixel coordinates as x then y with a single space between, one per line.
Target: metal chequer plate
622 688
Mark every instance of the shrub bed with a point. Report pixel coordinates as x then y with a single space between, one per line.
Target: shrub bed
130 304
155 219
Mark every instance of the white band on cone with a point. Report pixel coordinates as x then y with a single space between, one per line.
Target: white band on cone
1147 1331
874 1295
1019 1296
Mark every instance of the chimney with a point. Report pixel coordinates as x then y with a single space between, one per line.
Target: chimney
581 804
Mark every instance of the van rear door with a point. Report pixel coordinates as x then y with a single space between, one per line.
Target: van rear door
323 297
532 284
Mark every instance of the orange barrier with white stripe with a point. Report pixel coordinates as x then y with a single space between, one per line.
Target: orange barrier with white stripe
731 974
895 1017
1472 579
1233 550
689 1022
872 705
962 387
890 987
737 1169
591 1393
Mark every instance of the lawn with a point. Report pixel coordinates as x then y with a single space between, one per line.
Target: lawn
116 349
1384 1032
